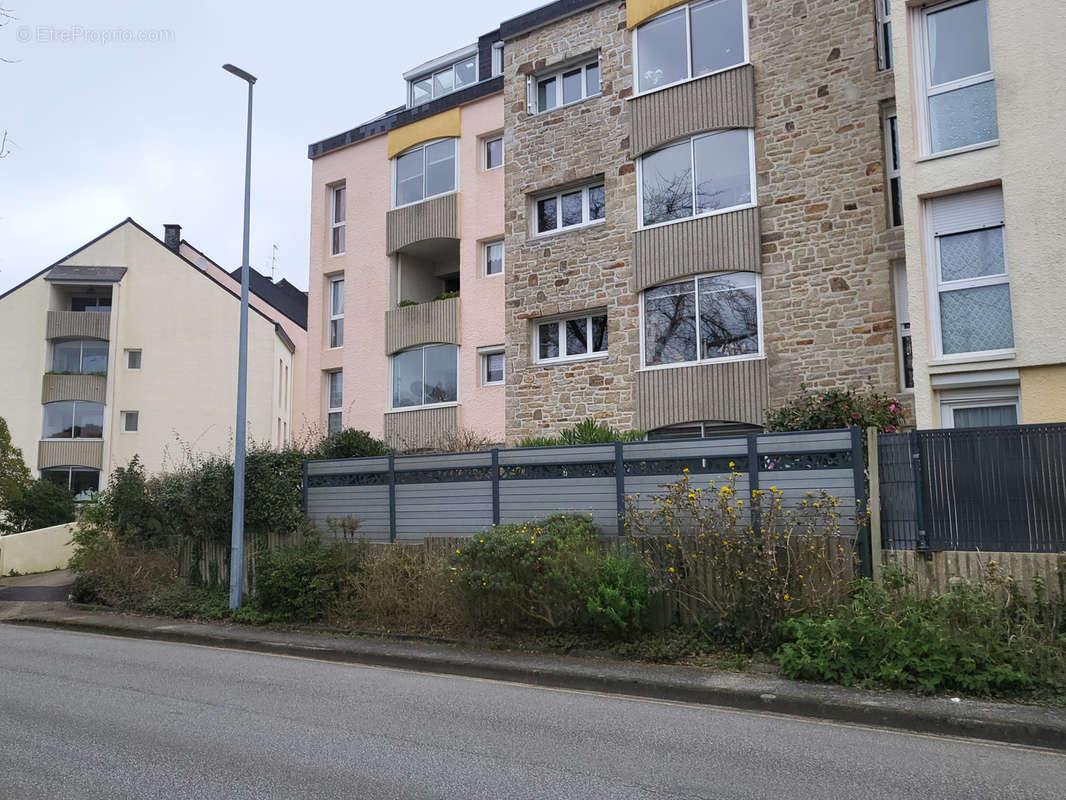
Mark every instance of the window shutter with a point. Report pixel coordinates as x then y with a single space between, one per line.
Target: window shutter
967 211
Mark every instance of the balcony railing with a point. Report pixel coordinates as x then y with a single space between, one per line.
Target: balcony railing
434 322
78 325
73 387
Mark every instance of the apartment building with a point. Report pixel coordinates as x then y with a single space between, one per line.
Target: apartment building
981 155
406 285
697 214
128 346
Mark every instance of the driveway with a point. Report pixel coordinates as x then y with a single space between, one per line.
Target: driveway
44 587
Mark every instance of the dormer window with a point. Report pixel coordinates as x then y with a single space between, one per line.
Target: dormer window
444 81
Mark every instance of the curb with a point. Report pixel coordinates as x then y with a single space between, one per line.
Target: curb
871 709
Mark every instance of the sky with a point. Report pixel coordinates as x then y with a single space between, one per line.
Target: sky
120 108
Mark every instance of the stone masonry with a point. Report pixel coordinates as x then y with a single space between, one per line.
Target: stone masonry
826 248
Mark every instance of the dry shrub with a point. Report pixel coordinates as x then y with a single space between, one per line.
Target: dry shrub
112 573
403 588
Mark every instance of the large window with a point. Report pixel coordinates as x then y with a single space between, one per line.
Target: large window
702 319
892 172
959 84
570 209
92 302
426 171
338 215
706 174
425 376
567 86
82 482
694 40
444 81
703 430
969 257
334 400
80 357
73 419
884 33
336 312
572 338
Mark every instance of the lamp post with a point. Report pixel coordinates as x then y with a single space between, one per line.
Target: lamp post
236 563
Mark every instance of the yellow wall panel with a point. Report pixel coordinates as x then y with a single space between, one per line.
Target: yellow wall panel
638 11
1043 394
445 124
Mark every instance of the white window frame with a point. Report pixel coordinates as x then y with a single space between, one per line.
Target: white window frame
81 356
73 420
925 88
893 163
485 142
140 360
688 36
557 73
692 160
883 14
422 146
497 59
484 353
126 417
70 478
335 319
557 195
978 398
458 383
431 75
936 286
485 257
337 224
560 322
761 353
331 409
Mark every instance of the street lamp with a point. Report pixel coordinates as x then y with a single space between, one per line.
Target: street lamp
236 562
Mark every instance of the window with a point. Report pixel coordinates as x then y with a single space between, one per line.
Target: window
494 257
969 257
82 482
336 312
959 84
567 86
895 188
570 209
493 152
572 338
703 430
73 419
334 401
425 376
884 34
338 215
491 366
706 174
702 319
133 359
130 421
981 408
691 41
905 350
426 171
450 79
80 357
497 59
92 302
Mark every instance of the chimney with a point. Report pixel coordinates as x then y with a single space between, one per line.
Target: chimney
172 237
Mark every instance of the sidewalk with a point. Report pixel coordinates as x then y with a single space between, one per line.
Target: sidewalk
1003 722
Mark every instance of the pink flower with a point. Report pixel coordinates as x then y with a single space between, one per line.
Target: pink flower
855 416
892 407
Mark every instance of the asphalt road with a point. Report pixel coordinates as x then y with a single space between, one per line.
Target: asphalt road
85 716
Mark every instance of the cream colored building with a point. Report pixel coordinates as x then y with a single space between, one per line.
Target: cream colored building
980 133
128 347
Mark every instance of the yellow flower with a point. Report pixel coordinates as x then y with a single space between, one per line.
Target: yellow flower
671 569
788 597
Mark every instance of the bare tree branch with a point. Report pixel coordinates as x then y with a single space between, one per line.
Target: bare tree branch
4 149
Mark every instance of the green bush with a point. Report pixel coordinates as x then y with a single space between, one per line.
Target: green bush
968 639
618 604
588 431
38 504
834 409
349 443
299 583
536 573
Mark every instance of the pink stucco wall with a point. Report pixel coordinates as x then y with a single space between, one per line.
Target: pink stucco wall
367 173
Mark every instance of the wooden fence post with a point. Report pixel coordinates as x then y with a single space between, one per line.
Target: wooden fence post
875 503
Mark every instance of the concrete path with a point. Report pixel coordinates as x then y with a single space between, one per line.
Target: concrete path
44 587
89 716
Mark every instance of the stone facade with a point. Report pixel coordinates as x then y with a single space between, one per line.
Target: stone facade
826 248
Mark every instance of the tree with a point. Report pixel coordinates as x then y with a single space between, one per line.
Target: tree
27 504
14 474
6 18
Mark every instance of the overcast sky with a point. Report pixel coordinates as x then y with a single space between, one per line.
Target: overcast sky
102 130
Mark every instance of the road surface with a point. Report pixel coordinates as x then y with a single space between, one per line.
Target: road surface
85 716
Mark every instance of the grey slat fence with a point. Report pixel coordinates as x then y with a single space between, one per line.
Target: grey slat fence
407 498
992 489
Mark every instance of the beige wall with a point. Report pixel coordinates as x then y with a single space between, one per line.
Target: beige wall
1043 394
1028 161
23 362
42 550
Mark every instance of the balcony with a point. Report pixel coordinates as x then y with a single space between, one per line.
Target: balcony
71 453
420 428
733 390
433 322
73 387
437 218
78 325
